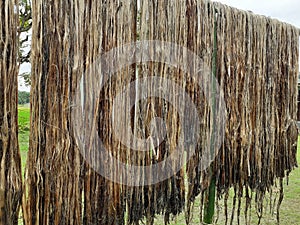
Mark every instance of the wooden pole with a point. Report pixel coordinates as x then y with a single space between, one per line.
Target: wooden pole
209 205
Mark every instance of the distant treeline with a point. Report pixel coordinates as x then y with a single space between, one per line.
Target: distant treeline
23 97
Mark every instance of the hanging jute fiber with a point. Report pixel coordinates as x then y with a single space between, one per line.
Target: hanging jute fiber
255 62
10 161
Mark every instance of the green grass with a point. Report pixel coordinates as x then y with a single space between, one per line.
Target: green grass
24 125
290 208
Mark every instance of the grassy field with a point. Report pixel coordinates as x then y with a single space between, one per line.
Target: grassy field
290 208
23 119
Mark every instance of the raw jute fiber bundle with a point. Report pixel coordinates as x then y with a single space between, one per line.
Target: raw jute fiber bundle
254 60
257 68
10 160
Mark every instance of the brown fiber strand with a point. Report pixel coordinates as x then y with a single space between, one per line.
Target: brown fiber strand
10 160
257 69
257 97
53 166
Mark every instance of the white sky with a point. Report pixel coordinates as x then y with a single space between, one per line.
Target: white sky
284 10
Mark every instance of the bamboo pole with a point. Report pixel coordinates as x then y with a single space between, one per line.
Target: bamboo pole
209 206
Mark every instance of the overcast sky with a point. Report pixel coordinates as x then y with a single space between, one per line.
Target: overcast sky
284 10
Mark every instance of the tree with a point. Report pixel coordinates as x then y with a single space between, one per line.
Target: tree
10 162
23 97
25 16
25 25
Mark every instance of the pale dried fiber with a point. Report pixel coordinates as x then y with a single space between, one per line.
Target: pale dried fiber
257 67
10 160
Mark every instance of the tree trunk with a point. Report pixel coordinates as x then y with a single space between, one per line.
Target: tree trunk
10 162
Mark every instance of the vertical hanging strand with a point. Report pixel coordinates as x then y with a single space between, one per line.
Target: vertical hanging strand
10 161
257 77
193 37
136 202
53 167
95 202
256 64
219 165
106 204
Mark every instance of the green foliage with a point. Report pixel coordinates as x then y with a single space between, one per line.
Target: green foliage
23 97
23 136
